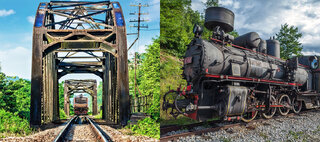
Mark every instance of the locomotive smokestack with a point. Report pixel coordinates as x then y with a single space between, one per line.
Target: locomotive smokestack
219 16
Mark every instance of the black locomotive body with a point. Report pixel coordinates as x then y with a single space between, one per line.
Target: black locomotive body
80 105
238 78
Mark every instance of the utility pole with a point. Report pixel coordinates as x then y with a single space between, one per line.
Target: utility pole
138 26
135 83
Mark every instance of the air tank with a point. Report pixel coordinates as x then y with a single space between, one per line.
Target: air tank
249 40
219 16
273 47
262 46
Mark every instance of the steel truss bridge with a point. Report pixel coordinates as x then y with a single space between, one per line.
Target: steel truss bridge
88 86
64 30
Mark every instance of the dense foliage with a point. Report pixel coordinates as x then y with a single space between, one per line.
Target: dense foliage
15 95
147 126
139 60
11 123
148 81
177 22
62 114
288 37
61 95
99 96
14 105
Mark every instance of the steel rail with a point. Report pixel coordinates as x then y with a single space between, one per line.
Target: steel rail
99 132
65 130
214 128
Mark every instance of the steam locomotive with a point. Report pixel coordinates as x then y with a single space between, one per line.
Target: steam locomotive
237 78
80 105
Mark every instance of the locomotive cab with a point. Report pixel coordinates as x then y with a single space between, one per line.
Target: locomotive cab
312 64
80 105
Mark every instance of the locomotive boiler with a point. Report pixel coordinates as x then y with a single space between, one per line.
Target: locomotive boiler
237 78
80 105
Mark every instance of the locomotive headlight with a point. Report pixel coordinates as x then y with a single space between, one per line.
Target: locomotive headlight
314 62
197 30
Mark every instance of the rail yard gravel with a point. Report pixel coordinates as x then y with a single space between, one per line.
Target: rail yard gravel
42 136
301 127
81 132
118 136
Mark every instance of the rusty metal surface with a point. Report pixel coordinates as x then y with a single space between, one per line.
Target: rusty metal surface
80 30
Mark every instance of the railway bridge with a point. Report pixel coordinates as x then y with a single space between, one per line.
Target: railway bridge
88 86
65 31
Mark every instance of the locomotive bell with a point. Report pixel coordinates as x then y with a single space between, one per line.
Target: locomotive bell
219 16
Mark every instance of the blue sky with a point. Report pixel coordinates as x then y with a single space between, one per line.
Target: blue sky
16 25
266 17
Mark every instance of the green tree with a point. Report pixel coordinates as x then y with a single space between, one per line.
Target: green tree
149 84
61 95
140 58
210 3
177 21
99 95
23 95
150 80
288 37
234 33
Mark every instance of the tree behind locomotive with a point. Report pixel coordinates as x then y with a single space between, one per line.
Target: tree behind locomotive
80 105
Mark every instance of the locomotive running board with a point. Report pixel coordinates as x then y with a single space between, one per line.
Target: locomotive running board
254 80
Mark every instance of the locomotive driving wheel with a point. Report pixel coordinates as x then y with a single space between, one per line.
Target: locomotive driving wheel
296 105
272 110
168 102
249 116
252 112
285 101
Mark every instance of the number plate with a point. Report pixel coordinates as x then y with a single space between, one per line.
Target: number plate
188 60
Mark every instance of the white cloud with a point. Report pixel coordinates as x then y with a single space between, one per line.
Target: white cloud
306 53
16 62
198 5
31 19
4 12
226 2
266 18
142 48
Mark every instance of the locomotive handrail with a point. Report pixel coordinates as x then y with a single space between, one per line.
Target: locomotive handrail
233 45
252 79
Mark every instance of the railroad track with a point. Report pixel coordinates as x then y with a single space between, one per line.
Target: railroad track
215 125
95 133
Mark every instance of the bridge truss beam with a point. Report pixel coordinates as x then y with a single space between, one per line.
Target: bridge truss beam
72 28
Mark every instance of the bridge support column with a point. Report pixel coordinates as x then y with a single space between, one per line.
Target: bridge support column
94 100
105 87
66 100
36 77
122 77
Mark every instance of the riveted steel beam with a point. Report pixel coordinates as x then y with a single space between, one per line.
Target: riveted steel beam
81 31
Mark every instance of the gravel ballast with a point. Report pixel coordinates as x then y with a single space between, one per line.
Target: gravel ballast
42 136
302 127
118 136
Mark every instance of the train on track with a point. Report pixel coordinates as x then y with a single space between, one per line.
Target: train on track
80 105
237 78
